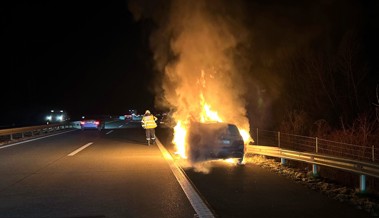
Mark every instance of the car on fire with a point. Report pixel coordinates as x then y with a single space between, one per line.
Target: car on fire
214 140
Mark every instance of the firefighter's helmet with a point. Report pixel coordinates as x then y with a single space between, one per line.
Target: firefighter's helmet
147 112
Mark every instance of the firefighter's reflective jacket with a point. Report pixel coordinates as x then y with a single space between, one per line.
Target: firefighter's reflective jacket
148 121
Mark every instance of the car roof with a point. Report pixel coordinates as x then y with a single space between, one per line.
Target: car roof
215 126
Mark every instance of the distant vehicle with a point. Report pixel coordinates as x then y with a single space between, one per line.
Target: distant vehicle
215 140
56 116
92 122
132 115
136 117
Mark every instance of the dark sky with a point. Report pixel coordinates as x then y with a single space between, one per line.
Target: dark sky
80 56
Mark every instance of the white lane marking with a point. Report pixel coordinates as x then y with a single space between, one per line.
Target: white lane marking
79 149
109 132
35 139
197 203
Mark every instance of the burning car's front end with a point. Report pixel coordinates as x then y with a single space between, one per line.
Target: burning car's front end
214 140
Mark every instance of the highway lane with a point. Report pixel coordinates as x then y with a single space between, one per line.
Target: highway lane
252 191
109 175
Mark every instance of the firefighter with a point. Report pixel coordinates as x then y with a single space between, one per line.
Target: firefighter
149 124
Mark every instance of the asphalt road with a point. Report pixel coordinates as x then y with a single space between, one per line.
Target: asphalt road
115 176
112 173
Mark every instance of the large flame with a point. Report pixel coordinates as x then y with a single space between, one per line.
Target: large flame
204 114
179 139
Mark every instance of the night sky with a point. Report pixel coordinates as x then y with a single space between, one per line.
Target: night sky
80 56
95 57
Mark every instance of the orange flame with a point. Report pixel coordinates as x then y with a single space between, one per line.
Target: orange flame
207 114
179 139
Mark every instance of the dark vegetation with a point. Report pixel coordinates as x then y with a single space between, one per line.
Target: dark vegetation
328 90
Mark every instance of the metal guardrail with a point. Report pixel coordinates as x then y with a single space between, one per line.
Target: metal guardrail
358 159
22 133
359 167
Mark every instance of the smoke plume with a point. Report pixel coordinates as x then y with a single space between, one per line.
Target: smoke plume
194 48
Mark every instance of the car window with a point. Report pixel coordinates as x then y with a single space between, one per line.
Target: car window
233 129
214 130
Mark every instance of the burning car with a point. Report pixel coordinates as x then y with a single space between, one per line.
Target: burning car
214 140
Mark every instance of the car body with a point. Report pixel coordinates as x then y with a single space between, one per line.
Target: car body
214 140
166 121
92 122
136 117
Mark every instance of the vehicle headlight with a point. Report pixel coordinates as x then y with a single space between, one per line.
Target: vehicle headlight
59 118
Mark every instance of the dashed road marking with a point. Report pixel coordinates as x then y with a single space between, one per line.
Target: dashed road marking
109 132
79 149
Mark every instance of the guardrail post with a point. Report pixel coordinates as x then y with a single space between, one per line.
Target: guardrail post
315 170
362 183
282 160
314 166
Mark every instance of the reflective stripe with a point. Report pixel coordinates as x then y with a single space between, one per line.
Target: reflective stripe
148 122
